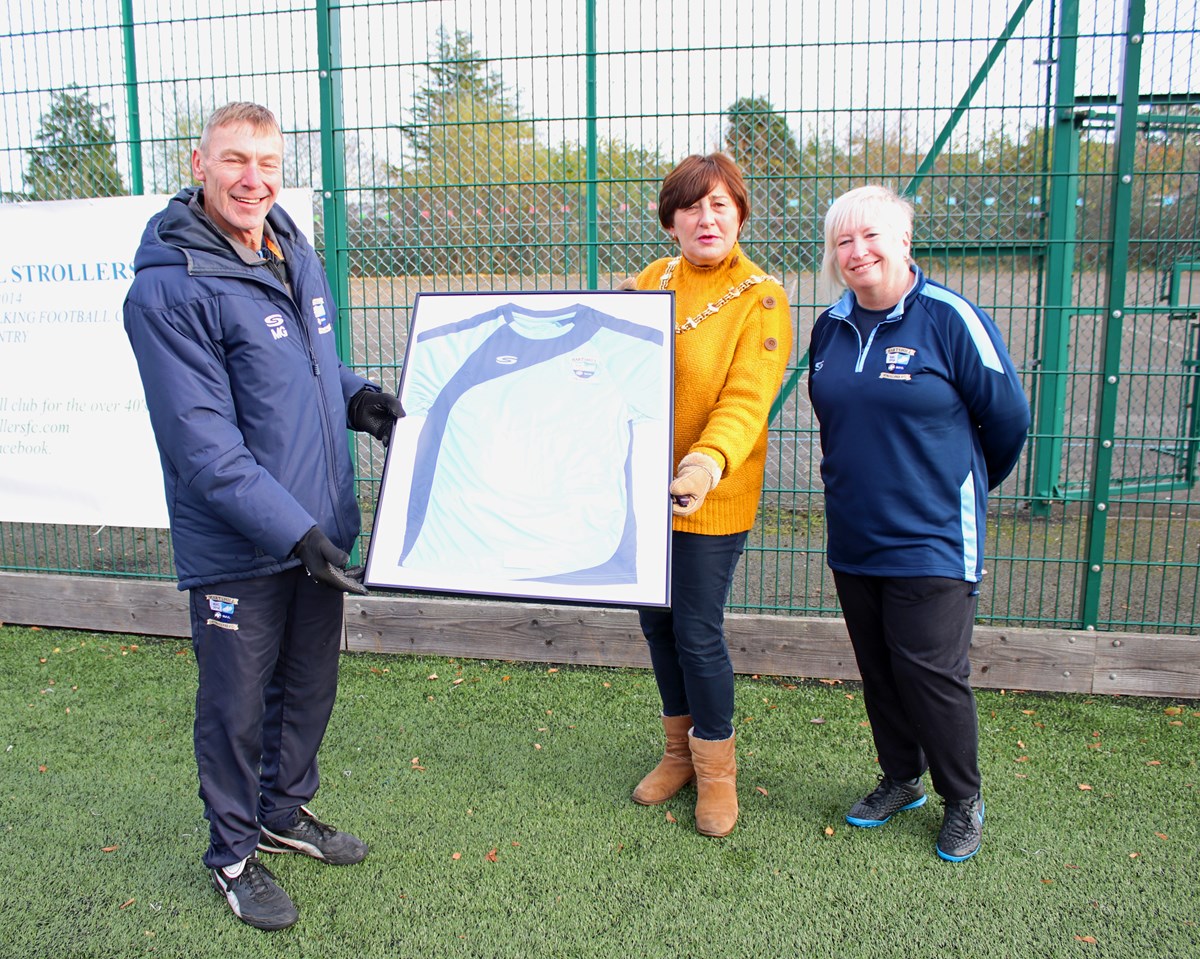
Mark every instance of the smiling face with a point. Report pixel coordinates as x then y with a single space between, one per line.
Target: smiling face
707 229
873 257
241 167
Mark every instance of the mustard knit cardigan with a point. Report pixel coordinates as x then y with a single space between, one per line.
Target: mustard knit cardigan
733 344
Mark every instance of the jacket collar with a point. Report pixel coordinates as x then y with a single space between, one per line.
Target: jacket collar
845 306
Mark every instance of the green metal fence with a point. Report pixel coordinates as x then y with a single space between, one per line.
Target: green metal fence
1051 148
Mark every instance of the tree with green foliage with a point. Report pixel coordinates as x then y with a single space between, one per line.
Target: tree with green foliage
759 139
480 192
77 156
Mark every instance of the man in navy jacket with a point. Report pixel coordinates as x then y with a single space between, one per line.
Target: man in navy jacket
231 319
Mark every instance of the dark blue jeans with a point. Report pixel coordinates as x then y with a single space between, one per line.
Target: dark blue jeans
267 649
687 641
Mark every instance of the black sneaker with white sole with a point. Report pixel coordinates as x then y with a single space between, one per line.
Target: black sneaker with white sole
311 837
885 800
255 897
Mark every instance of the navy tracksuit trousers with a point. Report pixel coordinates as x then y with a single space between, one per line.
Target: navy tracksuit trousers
267 650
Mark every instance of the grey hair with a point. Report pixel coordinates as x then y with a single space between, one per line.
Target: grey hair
253 114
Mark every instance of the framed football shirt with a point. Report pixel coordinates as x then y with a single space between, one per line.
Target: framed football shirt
535 455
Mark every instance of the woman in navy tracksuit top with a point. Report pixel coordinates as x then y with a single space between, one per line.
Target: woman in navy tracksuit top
921 414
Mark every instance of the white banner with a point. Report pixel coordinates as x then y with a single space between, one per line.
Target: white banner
75 440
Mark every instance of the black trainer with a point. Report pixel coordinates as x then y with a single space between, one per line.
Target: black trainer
314 838
255 897
962 829
888 798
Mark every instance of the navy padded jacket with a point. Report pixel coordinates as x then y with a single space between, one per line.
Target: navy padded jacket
246 394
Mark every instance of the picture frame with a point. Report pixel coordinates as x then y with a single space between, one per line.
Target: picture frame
536 450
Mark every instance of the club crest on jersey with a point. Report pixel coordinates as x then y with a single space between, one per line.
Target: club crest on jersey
896 359
275 323
222 612
584 367
319 314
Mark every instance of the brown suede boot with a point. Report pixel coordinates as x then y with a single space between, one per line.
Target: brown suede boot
674 770
716 785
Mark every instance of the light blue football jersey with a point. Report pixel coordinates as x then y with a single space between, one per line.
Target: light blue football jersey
523 466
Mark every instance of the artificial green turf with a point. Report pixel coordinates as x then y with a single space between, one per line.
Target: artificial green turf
495 797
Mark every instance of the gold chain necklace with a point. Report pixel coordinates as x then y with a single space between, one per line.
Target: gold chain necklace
730 295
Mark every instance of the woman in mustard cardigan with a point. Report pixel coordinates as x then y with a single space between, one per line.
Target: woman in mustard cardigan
732 345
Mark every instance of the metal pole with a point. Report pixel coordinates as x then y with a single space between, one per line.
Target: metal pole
593 188
333 167
136 183
1051 378
1118 264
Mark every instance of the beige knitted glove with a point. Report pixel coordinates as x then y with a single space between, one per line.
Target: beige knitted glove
696 477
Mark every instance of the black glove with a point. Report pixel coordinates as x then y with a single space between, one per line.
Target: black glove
374 412
325 562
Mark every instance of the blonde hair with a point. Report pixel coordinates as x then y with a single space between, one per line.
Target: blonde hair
874 203
258 117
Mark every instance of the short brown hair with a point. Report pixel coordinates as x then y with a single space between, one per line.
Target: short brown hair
252 114
694 178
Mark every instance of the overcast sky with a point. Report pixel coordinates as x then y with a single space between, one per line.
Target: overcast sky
668 68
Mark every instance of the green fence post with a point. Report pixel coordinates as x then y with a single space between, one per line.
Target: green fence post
593 187
136 183
1115 307
333 167
1051 381
333 182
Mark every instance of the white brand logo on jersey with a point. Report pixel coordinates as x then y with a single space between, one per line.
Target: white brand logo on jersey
318 308
275 325
506 360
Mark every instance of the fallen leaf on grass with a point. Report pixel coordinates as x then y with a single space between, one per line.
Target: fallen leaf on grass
1084 787
432 676
1154 762
456 855
1070 865
127 902
1046 882
1173 711
761 790
553 669
1029 712
537 745
670 818
1162 836
1091 939
1021 759
491 856
818 720
1134 855
41 769
832 682
828 830
109 848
